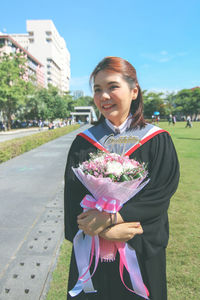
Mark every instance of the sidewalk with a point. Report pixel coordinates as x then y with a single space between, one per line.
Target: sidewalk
31 219
16 131
11 134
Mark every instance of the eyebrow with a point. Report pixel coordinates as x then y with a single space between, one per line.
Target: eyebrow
109 83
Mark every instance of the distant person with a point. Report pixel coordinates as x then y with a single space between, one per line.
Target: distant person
51 126
170 119
40 124
2 126
189 122
173 120
157 119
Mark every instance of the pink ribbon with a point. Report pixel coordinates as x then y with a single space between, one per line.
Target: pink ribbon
107 204
107 251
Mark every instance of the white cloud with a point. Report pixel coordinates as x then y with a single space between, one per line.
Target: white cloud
162 56
163 52
165 91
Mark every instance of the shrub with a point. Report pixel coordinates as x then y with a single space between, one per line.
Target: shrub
15 147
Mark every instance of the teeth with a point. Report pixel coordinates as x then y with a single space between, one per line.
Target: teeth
107 106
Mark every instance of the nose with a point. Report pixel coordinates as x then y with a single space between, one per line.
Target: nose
105 95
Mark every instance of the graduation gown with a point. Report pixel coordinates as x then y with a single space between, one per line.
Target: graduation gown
149 207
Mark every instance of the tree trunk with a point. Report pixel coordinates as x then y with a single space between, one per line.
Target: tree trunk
9 122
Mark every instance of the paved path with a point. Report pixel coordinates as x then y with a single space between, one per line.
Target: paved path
31 219
12 134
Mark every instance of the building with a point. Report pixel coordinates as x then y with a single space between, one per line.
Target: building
45 43
35 70
78 94
84 114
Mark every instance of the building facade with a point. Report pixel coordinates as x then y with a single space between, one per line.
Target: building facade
45 43
78 94
35 70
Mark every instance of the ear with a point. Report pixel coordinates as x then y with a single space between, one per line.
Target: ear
134 93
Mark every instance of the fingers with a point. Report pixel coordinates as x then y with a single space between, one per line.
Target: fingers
82 215
91 212
136 227
134 224
138 230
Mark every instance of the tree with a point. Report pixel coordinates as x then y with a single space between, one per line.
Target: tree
170 105
188 102
13 88
153 102
196 101
36 108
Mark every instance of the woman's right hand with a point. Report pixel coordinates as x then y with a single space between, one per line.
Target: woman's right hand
122 232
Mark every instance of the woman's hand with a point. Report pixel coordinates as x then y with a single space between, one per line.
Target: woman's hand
92 222
122 232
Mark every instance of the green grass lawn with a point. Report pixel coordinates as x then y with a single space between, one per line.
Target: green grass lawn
183 255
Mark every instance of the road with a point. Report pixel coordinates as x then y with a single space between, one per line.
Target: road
31 218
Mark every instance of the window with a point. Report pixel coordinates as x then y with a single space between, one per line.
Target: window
48 33
10 44
2 43
31 33
48 40
31 41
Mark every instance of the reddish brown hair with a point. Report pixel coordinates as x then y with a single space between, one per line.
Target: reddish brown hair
128 72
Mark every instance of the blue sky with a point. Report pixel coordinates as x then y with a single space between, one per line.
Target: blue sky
160 38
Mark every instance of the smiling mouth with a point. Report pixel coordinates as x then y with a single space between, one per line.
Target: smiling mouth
107 106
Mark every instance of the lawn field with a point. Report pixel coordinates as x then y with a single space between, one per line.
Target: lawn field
183 255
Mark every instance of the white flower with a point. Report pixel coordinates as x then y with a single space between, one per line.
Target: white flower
99 159
128 166
114 167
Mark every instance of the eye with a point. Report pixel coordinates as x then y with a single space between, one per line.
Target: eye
113 87
97 90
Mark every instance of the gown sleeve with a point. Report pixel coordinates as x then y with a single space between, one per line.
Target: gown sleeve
150 205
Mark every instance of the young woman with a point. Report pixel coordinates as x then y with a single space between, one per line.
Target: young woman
142 222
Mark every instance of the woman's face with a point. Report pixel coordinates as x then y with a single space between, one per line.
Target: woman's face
113 96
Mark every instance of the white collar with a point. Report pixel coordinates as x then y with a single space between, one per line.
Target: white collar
126 124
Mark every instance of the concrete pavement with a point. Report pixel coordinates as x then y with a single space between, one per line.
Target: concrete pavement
31 219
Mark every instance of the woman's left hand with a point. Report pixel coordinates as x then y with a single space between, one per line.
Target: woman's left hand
122 232
92 222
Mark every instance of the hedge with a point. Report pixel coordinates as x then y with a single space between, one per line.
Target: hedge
17 146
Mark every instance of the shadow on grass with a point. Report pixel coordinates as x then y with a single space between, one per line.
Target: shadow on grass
188 138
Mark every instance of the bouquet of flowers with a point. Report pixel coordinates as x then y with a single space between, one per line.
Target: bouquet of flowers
110 175
112 180
114 166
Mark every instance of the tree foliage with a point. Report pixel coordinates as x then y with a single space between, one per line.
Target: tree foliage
153 102
187 102
13 88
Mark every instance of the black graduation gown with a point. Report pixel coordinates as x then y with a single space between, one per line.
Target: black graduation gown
149 207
